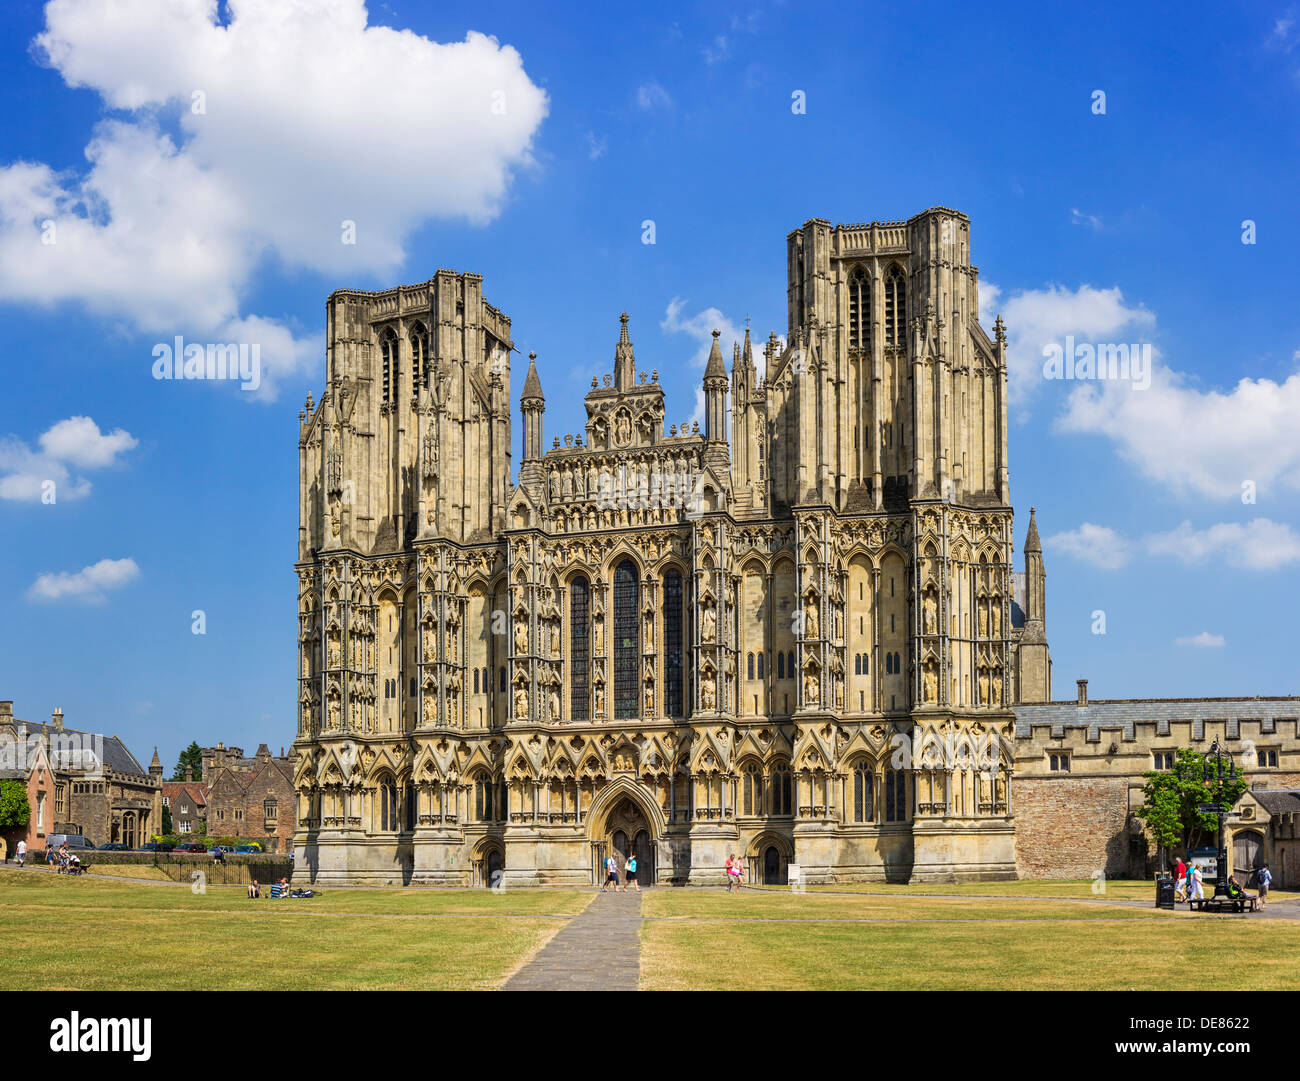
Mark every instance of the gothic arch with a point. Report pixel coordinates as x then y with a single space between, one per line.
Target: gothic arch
608 798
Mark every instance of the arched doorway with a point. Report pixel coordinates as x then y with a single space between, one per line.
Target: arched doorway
1247 855
626 827
771 866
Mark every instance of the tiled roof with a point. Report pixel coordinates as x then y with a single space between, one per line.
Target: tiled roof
117 758
1126 712
1277 801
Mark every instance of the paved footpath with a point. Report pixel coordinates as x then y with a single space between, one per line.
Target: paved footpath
599 950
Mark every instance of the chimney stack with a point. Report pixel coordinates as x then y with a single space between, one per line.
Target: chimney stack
58 718
1083 691
7 710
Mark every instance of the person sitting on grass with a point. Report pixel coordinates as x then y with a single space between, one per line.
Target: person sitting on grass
253 890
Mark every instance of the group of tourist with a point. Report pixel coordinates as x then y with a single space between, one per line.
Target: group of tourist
611 874
1189 884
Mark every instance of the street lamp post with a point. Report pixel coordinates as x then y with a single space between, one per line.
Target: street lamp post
1219 773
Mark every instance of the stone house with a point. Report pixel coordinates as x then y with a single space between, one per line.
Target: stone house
254 801
188 803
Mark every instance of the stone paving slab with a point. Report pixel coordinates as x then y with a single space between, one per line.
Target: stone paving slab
599 950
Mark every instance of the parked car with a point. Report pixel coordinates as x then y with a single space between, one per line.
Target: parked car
155 846
114 847
248 850
72 840
192 846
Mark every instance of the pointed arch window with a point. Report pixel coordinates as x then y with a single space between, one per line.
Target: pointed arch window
895 307
627 646
579 649
673 637
388 351
753 796
859 309
781 789
419 358
864 797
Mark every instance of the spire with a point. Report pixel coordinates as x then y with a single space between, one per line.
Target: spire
715 369
748 353
155 761
1032 543
532 385
624 359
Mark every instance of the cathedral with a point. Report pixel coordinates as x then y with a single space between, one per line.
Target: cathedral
790 632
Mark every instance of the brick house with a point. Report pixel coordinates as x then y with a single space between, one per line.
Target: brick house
29 764
253 798
188 803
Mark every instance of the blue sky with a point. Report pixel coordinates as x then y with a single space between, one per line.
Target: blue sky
534 159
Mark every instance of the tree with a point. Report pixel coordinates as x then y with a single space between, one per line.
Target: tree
167 820
1171 798
190 758
15 811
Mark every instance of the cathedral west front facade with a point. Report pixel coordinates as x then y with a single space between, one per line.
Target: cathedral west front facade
790 632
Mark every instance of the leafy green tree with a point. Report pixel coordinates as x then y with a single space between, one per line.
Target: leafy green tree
167 820
1171 798
15 811
190 758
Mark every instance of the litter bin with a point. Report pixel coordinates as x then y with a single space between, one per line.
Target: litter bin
1165 891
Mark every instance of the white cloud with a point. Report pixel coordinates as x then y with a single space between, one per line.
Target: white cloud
88 584
1260 544
718 51
653 96
1206 442
76 441
1039 317
1097 545
1204 640
596 147
309 118
1078 217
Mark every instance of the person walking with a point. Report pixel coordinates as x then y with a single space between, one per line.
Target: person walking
63 858
1180 878
1265 878
50 856
739 868
22 853
1198 893
731 861
611 873
629 877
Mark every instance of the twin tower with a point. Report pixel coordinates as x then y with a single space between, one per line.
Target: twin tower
799 637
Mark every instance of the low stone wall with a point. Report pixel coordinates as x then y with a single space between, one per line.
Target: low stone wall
179 866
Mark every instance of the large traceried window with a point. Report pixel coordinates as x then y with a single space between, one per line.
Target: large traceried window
895 308
859 309
579 649
864 795
673 698
627 645
781 789
895 796
753 793
387 806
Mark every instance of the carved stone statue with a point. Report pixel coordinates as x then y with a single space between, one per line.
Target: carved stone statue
598 635
649 700
984 687
810 689
521 636
930 684
709 628
521 703
810 623
708 692
600 700
931 608
984 620
555 702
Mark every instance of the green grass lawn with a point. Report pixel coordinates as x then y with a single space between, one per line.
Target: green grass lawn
712 940
93 934
1115 889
